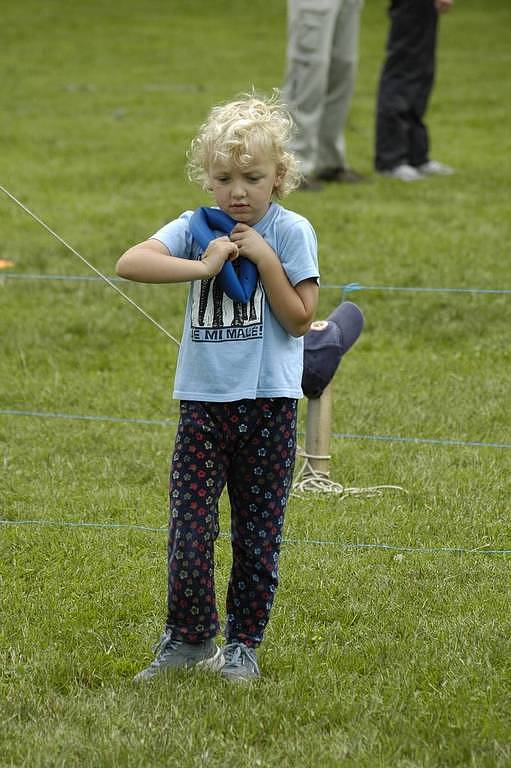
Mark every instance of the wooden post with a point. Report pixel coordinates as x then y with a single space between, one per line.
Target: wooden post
318 431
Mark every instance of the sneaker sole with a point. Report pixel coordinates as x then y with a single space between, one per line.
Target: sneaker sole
215 662
233 678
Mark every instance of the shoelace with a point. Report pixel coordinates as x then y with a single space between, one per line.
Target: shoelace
164 644
238 654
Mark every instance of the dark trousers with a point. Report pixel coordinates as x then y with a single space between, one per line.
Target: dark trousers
249 445
405 85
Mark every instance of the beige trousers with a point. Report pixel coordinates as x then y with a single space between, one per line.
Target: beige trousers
322 54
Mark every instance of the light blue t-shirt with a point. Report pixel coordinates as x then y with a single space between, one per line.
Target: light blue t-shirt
231 351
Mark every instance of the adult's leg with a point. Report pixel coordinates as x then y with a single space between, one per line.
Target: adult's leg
419 138
259 484
310 31
405 78
341 82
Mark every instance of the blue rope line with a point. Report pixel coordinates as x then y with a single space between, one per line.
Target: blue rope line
347 288
353 287
312 542
82 417
425 440
87 278
336 435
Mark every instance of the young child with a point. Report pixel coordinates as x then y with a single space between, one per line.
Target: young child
238 379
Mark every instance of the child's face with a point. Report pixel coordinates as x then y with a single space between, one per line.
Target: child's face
244 192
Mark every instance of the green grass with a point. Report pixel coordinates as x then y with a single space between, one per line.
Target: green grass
375 657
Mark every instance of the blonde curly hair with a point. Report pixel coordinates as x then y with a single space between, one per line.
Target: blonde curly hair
237 130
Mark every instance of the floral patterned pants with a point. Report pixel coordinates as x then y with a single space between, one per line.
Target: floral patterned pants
249 445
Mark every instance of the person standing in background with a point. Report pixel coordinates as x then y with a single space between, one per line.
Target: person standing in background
322 56
406 81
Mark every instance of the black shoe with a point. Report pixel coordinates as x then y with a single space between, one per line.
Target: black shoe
341 176
308 184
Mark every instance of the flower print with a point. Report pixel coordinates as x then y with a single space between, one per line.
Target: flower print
242 428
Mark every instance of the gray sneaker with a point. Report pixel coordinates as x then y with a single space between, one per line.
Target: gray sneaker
173 654
240 662
435 168
404 172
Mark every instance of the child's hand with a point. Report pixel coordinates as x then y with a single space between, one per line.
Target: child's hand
217 253
250 243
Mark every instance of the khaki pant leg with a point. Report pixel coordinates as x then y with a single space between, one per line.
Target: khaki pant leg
311 26
341 82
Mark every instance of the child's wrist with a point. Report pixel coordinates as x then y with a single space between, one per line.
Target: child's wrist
205 272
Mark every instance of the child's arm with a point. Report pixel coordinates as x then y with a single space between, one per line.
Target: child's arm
294 307
152 262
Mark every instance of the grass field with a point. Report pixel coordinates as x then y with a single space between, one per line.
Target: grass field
389 644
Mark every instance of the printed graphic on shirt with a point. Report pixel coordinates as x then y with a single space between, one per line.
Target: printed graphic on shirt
216 317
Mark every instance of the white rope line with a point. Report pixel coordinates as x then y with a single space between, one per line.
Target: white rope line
310 480
91 266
